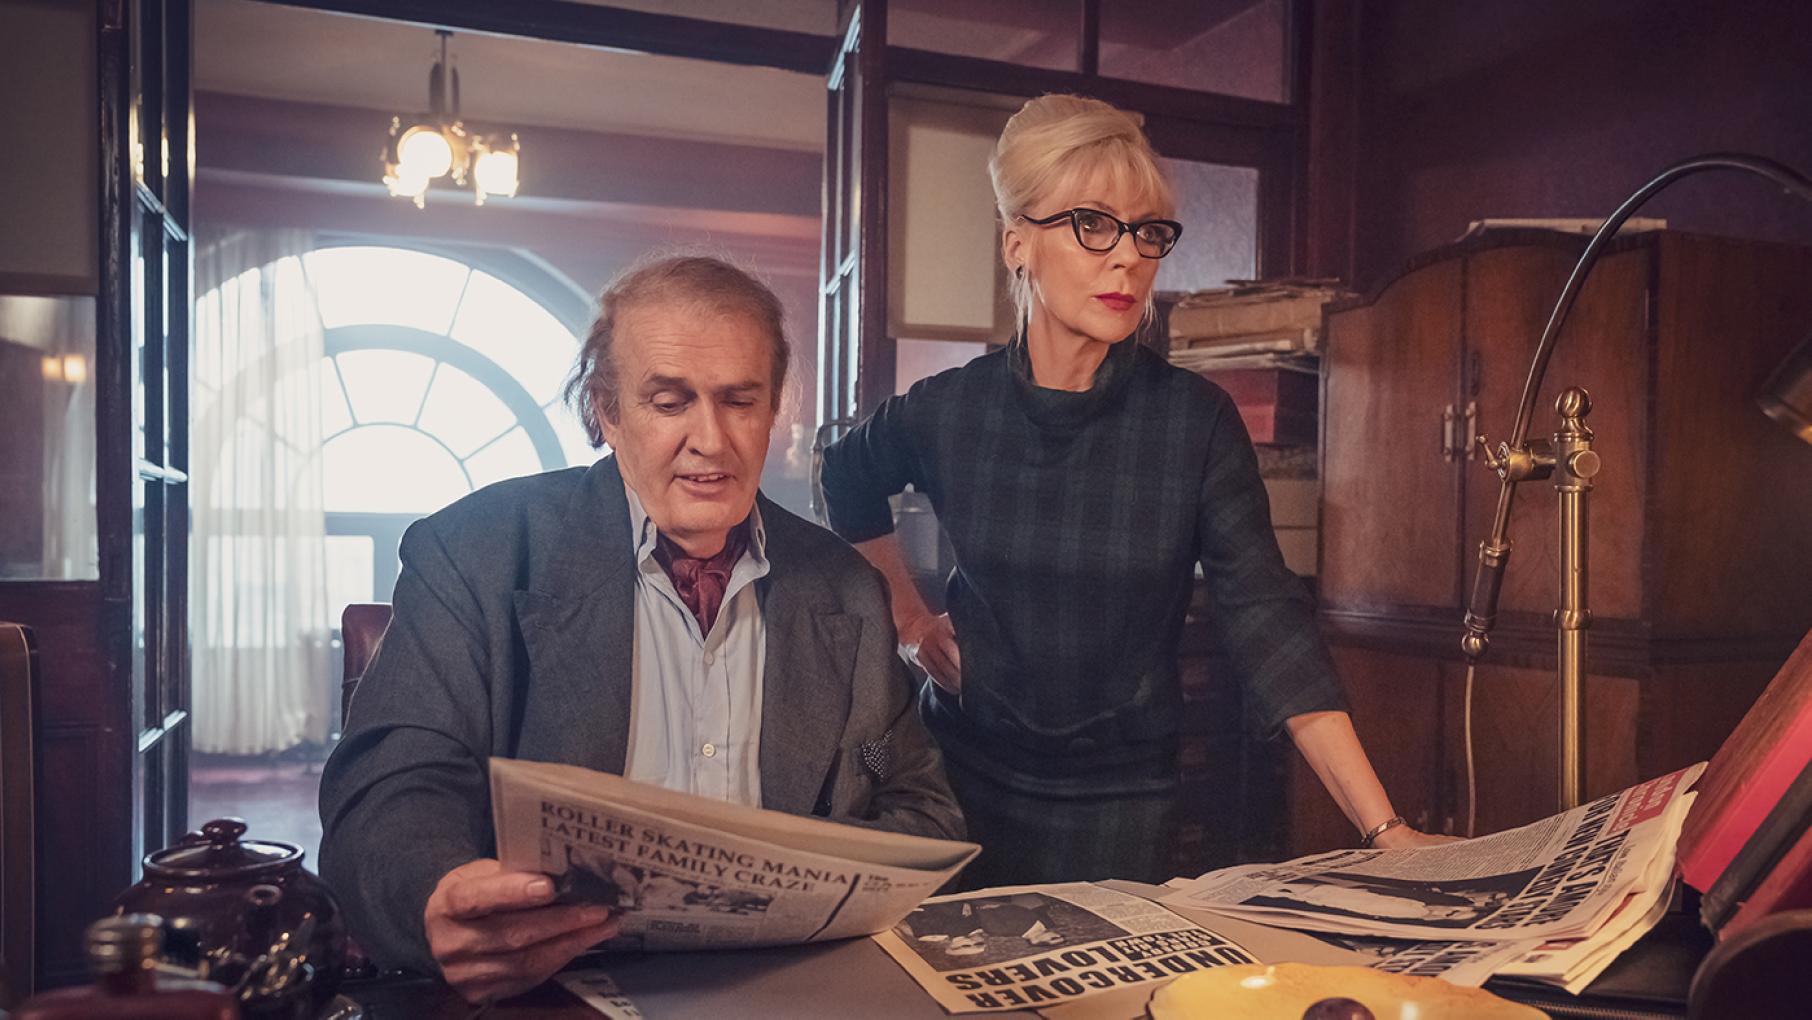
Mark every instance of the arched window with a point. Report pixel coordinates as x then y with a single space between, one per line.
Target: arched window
438 378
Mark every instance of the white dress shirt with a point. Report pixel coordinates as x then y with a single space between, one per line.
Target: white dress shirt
695 710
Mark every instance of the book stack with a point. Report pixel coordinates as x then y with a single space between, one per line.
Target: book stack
1748 844
1260 342
1252 325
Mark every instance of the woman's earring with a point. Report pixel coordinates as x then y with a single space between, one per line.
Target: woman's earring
1019 270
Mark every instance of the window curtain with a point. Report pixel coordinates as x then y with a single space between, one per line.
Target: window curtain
263 676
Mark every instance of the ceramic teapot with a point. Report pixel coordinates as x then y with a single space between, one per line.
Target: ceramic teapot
246 914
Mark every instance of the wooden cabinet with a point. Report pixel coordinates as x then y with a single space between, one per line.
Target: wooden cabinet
1700 546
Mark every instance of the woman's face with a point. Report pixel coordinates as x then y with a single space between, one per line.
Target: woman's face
1075 292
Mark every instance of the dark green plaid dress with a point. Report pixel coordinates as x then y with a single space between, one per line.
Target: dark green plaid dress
1077 520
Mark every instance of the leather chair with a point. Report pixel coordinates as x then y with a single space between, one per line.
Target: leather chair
362 628
18 810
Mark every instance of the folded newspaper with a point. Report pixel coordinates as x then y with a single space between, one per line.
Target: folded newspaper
1018 947
1554 901
693 873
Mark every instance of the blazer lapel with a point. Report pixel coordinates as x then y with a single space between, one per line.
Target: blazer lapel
811 655
579 632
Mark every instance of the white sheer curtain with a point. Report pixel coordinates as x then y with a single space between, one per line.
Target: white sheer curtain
263 674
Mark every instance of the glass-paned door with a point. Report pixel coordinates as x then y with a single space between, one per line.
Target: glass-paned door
158 294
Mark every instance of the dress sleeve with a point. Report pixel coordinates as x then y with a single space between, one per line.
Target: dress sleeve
876 460
1262 613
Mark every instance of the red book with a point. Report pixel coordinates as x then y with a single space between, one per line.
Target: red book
1750 773
1277 405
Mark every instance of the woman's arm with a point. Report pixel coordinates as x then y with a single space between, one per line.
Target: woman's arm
1331 747
928 639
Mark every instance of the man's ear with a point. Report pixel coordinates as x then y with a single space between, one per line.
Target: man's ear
604 415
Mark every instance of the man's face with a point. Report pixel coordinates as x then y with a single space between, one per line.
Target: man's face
695 404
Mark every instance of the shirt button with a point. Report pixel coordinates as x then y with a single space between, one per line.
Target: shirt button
709 750
710 658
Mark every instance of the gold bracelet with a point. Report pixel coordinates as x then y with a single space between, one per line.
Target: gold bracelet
1380 829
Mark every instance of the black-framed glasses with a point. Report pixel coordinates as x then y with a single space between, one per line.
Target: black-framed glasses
1100 232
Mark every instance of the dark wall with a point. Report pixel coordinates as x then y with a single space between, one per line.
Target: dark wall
1558 108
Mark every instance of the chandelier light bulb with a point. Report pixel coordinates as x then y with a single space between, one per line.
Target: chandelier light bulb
496 173
403 185
424 153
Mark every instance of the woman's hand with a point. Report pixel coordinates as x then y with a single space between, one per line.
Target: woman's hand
930 641
1402 837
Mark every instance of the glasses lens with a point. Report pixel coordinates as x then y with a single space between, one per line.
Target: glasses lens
1155 239
1096 231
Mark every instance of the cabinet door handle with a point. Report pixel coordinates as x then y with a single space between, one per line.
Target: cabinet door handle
1448 453
1472 429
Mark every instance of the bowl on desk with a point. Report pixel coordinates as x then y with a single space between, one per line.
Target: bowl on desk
1301 991
246 914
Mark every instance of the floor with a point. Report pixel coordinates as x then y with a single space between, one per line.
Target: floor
275 795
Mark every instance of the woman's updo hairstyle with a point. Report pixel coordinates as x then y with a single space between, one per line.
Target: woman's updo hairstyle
1056 140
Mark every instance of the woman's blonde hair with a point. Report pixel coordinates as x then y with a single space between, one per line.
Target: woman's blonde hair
1057 140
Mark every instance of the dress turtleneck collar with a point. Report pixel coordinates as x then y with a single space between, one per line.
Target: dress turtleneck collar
1069 409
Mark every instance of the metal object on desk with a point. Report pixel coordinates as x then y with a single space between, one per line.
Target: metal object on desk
1570 461
246 914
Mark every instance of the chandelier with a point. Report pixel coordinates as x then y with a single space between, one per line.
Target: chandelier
426 148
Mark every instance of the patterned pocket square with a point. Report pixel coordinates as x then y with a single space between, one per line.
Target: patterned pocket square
877 756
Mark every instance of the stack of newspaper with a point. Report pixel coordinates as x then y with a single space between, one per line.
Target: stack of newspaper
1251 325
1553 902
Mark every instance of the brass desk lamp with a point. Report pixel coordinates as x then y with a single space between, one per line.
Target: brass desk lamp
1567 457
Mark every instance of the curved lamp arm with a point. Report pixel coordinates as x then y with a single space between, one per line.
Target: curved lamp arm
1513 459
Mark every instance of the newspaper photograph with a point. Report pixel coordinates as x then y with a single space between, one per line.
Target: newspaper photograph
1558 878
1019 947
693 873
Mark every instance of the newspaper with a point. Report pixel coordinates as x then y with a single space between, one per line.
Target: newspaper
1560 878
1019 947
693 873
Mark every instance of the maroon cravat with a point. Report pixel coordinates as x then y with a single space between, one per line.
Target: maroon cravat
701 582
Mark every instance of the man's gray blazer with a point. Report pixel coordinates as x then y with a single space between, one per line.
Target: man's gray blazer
513 622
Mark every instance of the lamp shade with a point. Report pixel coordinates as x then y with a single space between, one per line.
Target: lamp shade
1787 395
424 153
496 171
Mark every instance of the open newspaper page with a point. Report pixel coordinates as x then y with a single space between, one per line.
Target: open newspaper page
693 873
1038 946
1558 878
1574 963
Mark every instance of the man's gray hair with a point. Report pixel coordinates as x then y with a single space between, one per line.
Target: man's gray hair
702 283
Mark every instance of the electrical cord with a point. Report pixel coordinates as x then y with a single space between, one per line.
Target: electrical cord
1472 786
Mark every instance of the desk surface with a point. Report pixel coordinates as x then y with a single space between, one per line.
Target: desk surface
818 982
855 978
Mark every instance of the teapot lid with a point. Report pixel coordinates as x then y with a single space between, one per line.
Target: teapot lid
217 853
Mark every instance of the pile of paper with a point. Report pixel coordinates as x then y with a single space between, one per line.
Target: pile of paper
1554 902
1251 325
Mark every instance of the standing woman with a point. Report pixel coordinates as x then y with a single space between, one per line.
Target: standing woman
1081 478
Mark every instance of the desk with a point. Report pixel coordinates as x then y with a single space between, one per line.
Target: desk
856 979
830 981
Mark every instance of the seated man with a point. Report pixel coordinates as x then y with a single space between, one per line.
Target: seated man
651 616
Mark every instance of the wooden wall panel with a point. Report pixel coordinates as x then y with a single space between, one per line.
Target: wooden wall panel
1688 709
1516 735
1734 490
1396 703
1389 519
1603 347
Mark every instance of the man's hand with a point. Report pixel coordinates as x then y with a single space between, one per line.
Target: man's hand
930 641
496 933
